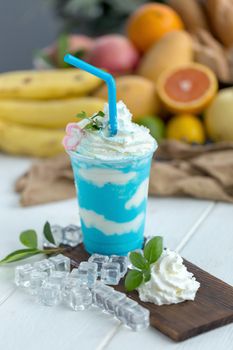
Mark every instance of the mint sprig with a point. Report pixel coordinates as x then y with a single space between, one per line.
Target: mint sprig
142 262
94 122
30 240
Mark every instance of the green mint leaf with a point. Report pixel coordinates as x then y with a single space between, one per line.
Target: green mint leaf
48 233
146 275
82 115
29 238
133 280
89 127
138 260
19 255
153 249
100 114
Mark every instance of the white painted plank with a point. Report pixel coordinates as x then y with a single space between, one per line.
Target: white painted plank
173 218
219 339
28 325
211 247
10 169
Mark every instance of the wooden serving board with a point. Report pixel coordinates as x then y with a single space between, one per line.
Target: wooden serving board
212 308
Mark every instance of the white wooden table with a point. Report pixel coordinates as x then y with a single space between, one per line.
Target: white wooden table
202 231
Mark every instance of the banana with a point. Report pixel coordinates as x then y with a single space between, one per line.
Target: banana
48 84
48 114
23 140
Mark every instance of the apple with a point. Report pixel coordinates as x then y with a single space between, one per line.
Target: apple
115 53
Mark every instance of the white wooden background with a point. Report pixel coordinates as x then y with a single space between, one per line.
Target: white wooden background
202 231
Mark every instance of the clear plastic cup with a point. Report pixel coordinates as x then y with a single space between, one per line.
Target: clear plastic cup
112 197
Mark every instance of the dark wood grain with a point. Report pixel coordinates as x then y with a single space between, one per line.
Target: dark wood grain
212 308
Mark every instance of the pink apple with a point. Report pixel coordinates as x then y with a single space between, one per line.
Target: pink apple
115 53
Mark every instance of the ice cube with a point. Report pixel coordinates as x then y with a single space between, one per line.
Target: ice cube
49 294
99 293
37 278
80 298
68 283
72 235
99 260
74 272
123 309
86 273
101 286
137 318
57 277
61 262
110 273
22 275
112 300
44 265
123 261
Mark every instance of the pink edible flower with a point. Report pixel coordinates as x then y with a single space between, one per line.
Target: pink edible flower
73 136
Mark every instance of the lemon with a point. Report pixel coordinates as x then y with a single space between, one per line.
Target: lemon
155 125
186 127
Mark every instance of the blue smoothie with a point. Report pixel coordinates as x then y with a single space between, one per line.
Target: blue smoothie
112 197
111 176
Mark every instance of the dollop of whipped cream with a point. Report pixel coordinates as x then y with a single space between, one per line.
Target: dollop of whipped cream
131 139
170 281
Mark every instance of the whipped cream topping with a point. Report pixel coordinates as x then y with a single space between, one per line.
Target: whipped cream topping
131 139
170 281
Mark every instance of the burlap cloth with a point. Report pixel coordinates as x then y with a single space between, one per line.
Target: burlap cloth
177 170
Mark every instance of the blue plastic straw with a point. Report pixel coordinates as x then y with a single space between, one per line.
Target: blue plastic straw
108 78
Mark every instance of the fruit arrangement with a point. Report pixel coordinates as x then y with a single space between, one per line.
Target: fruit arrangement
168 64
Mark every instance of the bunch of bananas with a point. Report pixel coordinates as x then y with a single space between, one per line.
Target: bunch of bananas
35 107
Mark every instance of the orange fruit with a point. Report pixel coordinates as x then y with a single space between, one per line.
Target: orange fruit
138 93
187 128
150 22
187 89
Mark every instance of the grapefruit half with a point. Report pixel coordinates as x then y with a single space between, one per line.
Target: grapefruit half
187 89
